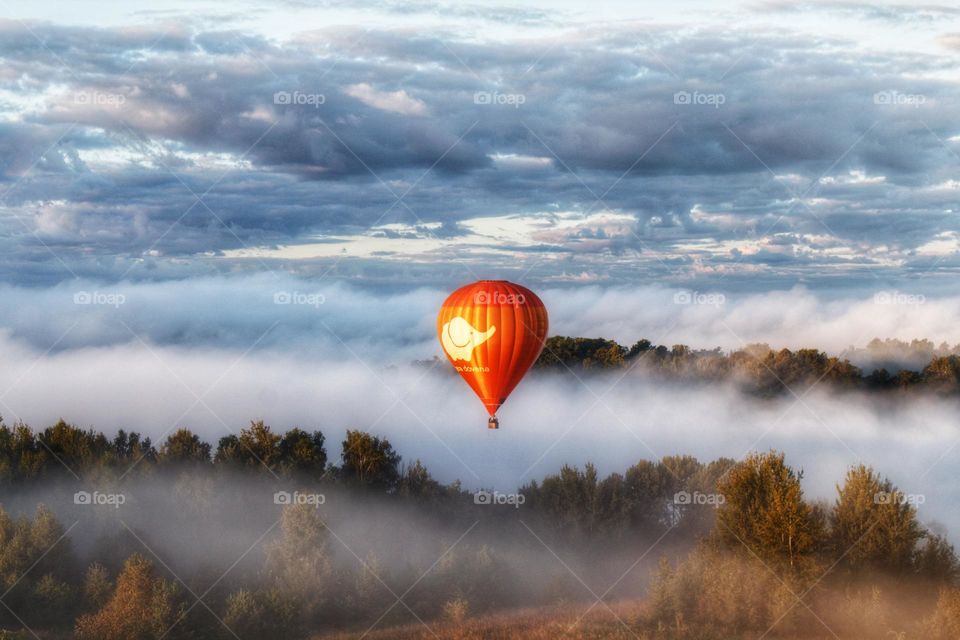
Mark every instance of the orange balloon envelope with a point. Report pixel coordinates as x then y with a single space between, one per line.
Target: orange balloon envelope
492 332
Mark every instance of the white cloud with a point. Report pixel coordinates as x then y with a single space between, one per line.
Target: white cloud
396 101
515 162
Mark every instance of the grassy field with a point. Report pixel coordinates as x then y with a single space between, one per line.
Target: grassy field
621 621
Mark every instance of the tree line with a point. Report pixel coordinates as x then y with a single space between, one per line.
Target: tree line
762 370
776 563
754 540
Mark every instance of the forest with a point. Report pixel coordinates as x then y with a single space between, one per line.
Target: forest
758 369
268 535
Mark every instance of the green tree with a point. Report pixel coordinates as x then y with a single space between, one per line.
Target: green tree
183 447
416 482
369 461
937 561
256 446
303 453
130 447
74 448
561 353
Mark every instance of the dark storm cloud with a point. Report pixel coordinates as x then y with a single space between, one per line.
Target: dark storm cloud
155 144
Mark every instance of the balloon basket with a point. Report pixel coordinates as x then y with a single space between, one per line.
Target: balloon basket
493 423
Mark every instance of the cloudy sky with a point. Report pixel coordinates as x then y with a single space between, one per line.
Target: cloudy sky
751 147
218 211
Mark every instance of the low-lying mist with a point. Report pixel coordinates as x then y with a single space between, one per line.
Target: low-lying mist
611 420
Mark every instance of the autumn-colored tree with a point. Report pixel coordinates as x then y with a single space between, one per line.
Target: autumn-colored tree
261 615
764 510
874 525
369 595
144 606
36 567
944 623
943 373
97 586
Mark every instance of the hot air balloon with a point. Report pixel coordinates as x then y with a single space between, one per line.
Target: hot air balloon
492 332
